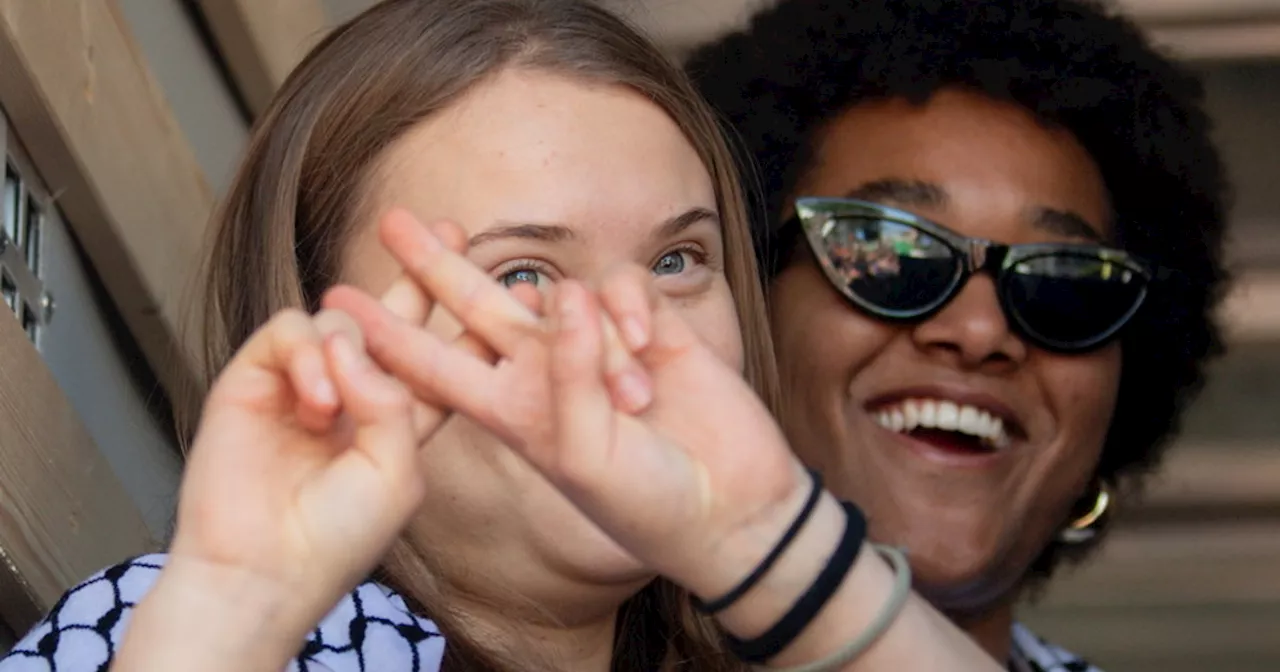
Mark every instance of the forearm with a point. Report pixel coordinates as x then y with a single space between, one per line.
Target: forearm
918 637
201 618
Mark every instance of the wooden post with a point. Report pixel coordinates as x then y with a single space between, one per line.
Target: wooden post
63 512
263 40
78 92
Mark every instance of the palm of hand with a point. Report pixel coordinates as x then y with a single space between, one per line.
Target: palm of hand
245 498
305 466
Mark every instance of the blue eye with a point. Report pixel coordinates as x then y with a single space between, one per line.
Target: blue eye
670 263
519 275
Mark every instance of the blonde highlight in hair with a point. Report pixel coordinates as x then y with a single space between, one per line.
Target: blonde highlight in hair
278 238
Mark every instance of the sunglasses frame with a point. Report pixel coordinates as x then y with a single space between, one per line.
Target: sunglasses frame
975 255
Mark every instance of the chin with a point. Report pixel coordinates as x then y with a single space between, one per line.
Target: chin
964 593
585 551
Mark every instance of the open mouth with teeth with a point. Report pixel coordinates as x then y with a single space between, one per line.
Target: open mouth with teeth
949 426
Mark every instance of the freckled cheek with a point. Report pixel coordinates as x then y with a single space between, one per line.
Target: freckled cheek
717 325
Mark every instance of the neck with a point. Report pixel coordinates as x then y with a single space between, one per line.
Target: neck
509 602
991 629
523 633
510 564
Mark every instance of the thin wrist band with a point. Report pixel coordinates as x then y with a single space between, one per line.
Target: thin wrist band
897 599
761 649
721 603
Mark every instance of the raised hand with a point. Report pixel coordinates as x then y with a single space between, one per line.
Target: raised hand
306 466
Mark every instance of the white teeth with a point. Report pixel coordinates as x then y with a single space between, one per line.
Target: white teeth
969 420
911 413
946 415
928 414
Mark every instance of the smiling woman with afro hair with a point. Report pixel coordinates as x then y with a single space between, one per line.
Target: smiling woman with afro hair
993 431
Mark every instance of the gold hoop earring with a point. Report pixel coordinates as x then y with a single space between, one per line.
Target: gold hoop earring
1086 527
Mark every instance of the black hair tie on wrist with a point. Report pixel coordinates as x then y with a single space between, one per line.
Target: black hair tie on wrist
784 632
721 603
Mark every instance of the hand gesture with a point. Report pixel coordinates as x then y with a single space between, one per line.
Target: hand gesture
670 452
306 463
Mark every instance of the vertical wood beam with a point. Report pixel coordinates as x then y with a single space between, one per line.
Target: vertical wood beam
78 92
63 512
262 40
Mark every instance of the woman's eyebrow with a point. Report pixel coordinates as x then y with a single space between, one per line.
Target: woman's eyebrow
674 226
1065 223
558 233
548 233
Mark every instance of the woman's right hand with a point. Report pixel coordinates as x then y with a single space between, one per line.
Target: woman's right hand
676 472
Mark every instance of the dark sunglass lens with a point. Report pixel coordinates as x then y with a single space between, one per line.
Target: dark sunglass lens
891 267
1072 300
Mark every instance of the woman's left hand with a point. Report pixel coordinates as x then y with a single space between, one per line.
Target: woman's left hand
678 471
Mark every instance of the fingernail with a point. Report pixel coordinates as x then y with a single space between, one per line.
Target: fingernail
324 390
633 332
635 391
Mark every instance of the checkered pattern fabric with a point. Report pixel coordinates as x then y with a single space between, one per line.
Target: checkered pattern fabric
370 629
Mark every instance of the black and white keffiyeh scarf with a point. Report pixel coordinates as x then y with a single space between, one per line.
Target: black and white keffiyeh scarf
1032 654
371 630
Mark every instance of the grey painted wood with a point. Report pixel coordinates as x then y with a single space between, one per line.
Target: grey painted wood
88 350
201 98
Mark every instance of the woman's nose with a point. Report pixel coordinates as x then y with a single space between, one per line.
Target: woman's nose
972 329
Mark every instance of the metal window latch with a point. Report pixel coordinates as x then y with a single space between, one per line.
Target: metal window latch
21 229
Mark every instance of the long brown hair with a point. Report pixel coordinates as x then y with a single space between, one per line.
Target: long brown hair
278 238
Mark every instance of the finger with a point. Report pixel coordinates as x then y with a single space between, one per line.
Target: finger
624 294
527 295
458 375
453 236
388 333
629 384
485 308
670 336
317 405
405 298
582 408
371 489
287 348
376 402
331 322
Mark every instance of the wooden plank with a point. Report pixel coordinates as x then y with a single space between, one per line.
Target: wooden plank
79 94
1229 41
1198 11
1252 311
1213 562
63 512
1168 639
1208 478
263 41
1200 29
